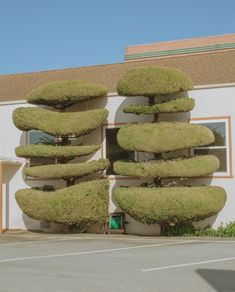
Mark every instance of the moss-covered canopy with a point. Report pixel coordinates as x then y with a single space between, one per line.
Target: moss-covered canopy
171 106
49 151
65 93
163 137
191 167
153 80
170 204
67 171
85 202
58 124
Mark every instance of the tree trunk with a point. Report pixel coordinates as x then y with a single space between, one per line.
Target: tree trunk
157 156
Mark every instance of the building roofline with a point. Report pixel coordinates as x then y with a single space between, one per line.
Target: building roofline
179 40
108 64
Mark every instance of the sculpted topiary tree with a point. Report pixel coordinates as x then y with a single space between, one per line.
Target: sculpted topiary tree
164 204
85 202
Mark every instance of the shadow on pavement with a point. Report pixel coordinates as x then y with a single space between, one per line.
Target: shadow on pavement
220 280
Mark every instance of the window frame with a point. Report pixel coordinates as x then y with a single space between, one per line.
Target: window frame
103 149
228 143
28 143
28 164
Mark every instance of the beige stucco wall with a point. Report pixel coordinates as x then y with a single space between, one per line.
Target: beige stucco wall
210 102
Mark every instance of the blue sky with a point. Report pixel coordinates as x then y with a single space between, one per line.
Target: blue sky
41 35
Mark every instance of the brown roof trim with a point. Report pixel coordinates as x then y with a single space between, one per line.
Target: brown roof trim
211 68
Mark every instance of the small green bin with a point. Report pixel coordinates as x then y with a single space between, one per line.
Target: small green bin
115 222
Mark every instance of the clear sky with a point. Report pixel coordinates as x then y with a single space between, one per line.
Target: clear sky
40 35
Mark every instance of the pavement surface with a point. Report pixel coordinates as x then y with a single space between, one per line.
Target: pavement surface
114 263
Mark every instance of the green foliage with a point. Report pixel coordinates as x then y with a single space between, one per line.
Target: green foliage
171 106
188 230
59 124
85 202
48 151
163 137
65 93
167 205
153 80
189 167
222 231
66 171
181 229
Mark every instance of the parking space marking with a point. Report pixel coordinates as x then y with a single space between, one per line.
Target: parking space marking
188 264
150 240
93 251
92 238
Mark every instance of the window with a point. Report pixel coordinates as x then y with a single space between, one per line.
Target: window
38 137
113 151
220 147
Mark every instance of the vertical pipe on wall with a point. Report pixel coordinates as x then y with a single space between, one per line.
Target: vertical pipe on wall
1 229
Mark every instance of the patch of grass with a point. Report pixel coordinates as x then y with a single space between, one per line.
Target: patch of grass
65 93
163 137
172 106
182 229
187 167
85 202
227 230
222 231
153 80
57 123
170 205
66 171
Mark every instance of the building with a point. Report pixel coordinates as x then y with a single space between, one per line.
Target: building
209 61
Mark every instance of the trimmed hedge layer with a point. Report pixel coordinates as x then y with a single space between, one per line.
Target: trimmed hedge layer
85 202
191 167
153 80
172 106
65 93
59 124
170 204
66 171
49 151
163 137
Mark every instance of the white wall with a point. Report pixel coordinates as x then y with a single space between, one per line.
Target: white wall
210 102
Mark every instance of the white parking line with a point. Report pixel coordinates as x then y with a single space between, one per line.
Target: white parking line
188 264
92 251
92 238
150 240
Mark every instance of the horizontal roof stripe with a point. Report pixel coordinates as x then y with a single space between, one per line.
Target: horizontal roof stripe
151 54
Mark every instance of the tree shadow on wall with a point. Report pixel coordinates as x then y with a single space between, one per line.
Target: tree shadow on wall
220 280
120 116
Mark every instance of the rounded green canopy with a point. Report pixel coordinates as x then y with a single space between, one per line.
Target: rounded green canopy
66 171
65 93
86 202
153 80
57 123
50 151
171 106
170 204
196 166
163 137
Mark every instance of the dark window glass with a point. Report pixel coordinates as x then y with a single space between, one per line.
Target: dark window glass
220 153
38 137
113 151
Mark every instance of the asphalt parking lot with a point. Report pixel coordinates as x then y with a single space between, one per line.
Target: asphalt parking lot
99 263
